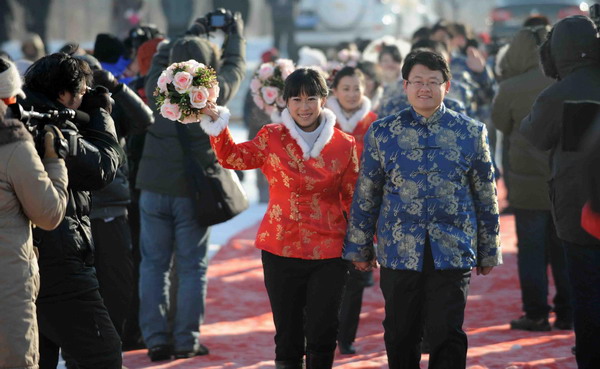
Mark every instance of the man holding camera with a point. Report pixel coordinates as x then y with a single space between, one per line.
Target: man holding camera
571 55
170 233
33 190
70 311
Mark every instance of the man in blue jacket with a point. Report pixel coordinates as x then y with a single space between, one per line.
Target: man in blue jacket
426 184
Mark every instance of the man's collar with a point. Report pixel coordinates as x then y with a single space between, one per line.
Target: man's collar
434 118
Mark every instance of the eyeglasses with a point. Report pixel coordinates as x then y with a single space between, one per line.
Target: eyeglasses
420 84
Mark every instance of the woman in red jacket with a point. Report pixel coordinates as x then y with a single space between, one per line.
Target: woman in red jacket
354 116
311 168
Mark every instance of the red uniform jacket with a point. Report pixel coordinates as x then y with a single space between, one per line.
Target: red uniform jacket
310 189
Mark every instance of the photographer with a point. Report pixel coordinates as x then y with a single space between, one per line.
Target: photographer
71 314
571 55
169 228
32 190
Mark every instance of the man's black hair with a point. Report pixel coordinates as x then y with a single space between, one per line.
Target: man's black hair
536 20
430 59
305 81
57 73
346 72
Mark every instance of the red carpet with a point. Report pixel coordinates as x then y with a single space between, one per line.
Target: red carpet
239 329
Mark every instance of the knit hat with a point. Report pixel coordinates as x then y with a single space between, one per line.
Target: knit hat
145 53
193 47
10 80
108 48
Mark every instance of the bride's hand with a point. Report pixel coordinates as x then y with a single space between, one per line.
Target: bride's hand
211 110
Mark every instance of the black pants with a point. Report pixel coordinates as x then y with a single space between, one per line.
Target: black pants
440 296
352 304
82 328
305 297
285 28
114 267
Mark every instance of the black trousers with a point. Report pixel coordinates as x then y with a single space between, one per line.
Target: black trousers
114 267
305 297
352 304
438 295
83 330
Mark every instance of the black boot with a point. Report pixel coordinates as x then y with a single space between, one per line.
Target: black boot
281 364
319 360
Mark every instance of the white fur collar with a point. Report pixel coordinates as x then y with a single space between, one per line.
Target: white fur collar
348 125
327 118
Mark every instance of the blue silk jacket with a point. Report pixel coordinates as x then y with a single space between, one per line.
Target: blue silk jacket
425 177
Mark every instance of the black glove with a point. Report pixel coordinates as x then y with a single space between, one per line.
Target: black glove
99 97
106 79
236 26
199 27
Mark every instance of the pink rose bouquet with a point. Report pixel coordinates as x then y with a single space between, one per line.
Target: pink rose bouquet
267 87
183 90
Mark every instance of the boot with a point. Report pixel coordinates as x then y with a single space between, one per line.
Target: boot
319 360
281 364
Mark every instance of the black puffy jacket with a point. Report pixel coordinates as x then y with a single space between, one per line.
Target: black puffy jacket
66 254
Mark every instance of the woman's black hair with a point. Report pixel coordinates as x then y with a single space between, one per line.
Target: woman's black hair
56 73
371 70
392 50
430 59
346 72
305 81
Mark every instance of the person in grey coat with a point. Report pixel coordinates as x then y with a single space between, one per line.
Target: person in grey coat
571 55
528 174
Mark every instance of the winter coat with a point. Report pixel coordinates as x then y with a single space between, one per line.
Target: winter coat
161 169
310 189
357 125
425 178
523 81
31 191
131 116
576 55
66 256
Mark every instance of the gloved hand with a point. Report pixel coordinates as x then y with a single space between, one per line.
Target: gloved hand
107 79
55 145
236 27
99 97
199 27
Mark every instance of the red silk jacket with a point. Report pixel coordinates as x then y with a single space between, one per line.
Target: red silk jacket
310 189
358 124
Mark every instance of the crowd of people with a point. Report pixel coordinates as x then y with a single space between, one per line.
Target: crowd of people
369 158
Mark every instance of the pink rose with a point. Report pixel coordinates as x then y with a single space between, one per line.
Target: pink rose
286 66
191 66
258 101
266 71
213 92
170 111
269 94
163 80
255 85
198 97
182 82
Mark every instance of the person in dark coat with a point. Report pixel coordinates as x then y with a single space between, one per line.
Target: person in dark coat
571 55
169 228
284 27
528 172
71 314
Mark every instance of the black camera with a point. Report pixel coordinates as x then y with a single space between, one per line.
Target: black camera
65 120
219 19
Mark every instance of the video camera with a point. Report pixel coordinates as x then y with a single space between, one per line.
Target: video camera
219 19
66 120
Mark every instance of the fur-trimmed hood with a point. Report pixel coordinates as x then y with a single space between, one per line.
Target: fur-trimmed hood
349 124
11 130
327 118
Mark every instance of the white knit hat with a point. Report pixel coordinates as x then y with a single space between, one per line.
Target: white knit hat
10 80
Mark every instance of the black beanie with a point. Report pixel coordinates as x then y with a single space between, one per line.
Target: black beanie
108 48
